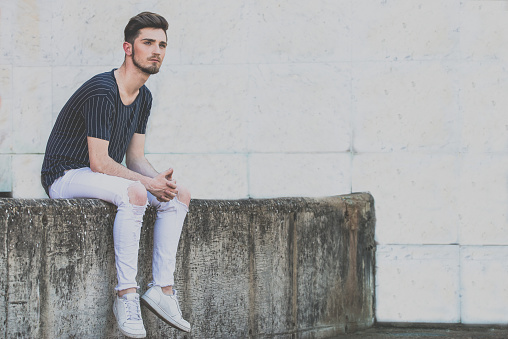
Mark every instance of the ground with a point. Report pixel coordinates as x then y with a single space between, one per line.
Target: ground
431 332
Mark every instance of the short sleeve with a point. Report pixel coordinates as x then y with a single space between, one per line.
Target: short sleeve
144 114
97 112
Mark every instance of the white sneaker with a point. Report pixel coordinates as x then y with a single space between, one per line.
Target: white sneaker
128 315
165 307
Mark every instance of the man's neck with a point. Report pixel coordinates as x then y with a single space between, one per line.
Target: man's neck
130 79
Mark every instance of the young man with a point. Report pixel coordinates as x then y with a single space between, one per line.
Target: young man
104 120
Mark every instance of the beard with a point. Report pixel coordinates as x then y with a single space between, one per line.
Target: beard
154 69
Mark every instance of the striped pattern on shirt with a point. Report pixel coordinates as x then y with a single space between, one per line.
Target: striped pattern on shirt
94 110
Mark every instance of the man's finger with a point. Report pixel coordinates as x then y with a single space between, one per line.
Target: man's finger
171 193
171 184
168 173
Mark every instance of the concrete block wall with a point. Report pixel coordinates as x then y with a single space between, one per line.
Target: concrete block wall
252 268
402 98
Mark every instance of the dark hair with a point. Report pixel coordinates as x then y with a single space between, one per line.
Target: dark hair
143 20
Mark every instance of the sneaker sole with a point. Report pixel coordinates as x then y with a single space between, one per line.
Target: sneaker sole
130 335
152 306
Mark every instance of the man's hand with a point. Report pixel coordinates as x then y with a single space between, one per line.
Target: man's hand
163 187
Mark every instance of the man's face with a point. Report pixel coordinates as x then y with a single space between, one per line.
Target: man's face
149 50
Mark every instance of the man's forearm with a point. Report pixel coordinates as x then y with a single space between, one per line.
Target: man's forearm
142 166
111 167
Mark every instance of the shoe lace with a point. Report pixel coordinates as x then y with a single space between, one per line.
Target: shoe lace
132 309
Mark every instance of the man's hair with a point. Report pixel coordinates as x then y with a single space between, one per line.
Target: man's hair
144 20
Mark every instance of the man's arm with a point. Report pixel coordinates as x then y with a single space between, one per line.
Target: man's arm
101 162
135 157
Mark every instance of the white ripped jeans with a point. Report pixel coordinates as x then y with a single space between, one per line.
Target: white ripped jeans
84 183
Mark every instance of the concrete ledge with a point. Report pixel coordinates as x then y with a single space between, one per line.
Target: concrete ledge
274 268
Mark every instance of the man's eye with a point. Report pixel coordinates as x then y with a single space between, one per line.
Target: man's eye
162 46
148 43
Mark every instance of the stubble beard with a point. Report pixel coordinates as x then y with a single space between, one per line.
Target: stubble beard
154 69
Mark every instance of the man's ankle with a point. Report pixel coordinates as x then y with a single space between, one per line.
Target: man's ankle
127 290
167 290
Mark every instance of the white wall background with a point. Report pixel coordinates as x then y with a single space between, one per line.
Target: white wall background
407 99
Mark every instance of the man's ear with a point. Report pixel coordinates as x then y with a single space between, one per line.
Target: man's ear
127 47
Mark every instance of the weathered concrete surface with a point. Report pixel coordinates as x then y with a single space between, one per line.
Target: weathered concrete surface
274 268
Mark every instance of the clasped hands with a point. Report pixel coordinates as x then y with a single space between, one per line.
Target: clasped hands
163 187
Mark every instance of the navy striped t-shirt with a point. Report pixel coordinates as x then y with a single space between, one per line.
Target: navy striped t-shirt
94 110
